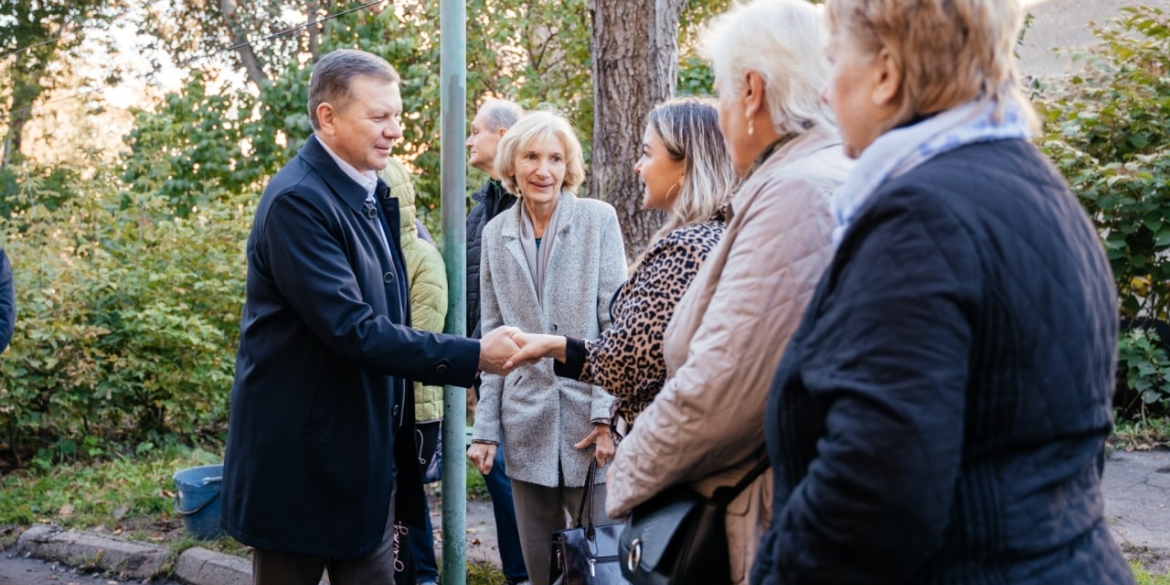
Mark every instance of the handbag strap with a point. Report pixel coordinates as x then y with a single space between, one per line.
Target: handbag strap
724 495
587 500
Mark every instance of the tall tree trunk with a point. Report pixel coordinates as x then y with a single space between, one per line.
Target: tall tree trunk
635 66
313 11
240 41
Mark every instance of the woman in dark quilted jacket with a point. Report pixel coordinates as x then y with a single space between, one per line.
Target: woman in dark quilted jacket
940 415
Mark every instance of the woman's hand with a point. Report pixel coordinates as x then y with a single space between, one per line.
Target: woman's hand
600 437
482 455
535 347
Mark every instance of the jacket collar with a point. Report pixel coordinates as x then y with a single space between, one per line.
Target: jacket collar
781 154
345 188
510 227
492 188
510 232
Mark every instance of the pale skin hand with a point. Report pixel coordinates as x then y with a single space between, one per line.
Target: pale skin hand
495 348
535 347
601 438
482 455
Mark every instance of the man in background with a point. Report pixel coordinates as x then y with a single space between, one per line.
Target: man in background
490 123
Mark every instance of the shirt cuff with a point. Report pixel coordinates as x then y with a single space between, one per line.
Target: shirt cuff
575 354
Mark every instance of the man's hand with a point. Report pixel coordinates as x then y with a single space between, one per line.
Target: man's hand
600 436
482 455
495 348
535 347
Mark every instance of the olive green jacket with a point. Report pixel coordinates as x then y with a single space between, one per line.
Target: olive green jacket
427 276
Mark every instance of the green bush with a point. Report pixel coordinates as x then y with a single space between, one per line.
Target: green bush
127 319
1142 364
1108 130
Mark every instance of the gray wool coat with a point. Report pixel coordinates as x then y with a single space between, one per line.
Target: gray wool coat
538 415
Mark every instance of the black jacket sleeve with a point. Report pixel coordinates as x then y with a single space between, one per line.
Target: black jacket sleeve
317 279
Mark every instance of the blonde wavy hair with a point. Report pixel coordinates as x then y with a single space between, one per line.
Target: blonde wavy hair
539 124
689 130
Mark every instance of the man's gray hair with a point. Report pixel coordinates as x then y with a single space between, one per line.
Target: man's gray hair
334 73
500 113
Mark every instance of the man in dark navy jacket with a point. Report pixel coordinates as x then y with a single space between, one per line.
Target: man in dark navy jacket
320 410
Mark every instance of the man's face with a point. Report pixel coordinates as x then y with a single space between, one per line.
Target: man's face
482 143
363 130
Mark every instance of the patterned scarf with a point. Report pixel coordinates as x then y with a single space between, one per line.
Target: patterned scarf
899 150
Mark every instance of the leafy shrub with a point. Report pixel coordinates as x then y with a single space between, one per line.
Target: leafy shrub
1108 130
127 319
1144 367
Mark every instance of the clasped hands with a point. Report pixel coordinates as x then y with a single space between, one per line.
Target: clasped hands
504 348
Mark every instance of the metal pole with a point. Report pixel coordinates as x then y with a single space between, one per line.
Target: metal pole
453 107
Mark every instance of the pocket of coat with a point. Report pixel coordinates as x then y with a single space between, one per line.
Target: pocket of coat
321 415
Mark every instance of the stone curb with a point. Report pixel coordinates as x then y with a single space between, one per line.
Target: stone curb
200 566
131 559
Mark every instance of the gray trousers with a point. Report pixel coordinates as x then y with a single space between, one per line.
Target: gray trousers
377 568
540 511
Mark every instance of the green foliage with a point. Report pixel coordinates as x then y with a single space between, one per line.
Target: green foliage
476 484
1144 577
1145 367
1108 130
127 320
34 36
118 492
191 151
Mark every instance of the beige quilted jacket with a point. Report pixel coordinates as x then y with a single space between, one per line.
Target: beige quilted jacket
725 340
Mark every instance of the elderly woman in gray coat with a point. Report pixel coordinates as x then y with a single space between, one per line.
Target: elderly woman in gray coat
549 265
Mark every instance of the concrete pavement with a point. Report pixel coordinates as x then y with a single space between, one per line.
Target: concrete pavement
1137 505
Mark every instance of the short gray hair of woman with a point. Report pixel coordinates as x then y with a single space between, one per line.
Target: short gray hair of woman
949 51
783 41
539 124
689 130
332 78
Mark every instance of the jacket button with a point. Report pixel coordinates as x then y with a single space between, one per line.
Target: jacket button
388 277
441 369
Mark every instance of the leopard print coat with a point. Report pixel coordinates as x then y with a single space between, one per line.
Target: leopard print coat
627 359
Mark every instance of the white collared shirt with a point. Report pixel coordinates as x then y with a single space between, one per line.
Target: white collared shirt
367 180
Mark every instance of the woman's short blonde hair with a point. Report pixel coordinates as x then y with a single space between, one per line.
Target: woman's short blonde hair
783 41
949 51
531 126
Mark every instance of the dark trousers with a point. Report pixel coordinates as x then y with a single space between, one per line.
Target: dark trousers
377 568
422 544
507 533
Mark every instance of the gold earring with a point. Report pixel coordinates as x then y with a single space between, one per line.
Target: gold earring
751 126
671 190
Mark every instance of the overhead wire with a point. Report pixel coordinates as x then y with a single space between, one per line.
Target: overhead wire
188 62
70 34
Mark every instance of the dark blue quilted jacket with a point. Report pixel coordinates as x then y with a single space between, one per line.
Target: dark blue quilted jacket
941 414
490 200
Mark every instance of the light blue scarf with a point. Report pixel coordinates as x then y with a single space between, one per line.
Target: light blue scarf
899 150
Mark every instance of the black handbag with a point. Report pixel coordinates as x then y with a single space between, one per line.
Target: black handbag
587 554
679 537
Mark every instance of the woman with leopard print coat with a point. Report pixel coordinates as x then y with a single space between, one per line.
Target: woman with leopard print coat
686 171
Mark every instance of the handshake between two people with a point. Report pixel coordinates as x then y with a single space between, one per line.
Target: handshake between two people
505 348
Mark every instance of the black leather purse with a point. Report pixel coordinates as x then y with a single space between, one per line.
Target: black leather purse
587 554
679 537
